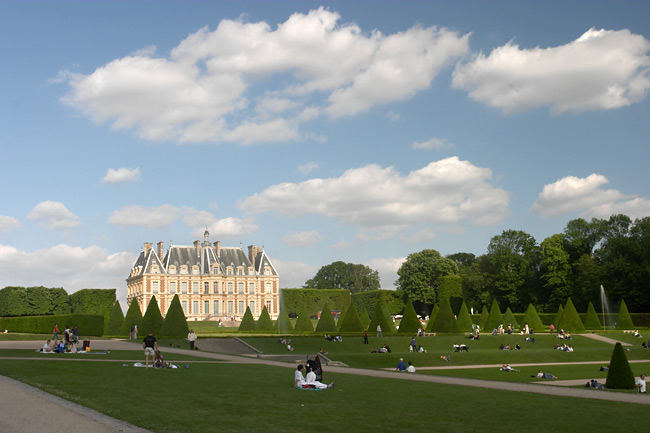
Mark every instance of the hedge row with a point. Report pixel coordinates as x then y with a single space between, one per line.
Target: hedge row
391 300
88 324
313 300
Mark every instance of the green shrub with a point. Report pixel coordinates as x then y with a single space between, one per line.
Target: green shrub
93 301
510 319
464 320
570 320
495 318
133 317
283 324
152 320
591 319
484 317
326 321
247 322
432 318
445 321
33 301
175 324
380 317
364 318
532 319
350 321
390 299
624 320
312 300
620 374
114 324
264 322
410 322
88 324
303 324
558 317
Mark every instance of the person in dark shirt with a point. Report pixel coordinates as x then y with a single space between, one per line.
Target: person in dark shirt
150 346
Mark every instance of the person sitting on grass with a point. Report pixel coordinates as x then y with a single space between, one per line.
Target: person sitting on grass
46 347
401 365
421 349
517 346
594 384
410 368
309 383
61 347
636 333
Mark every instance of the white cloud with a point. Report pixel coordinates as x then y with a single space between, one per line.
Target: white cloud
54 215
432 143
422 235
151 217
228 228
586 195
342 245
381 201
293 274
8 223
602 69
302 239
387 269
121 175
308 167
70 267
199 93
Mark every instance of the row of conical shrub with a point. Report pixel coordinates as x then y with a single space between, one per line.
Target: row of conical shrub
173 325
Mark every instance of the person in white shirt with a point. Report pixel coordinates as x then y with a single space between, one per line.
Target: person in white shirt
46 347
310 381
410 368
641 384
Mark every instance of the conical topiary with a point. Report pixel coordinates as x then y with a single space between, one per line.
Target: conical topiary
247 323
495 318
620 374
175 324
264 322
380 317
283 324
410 322
364 318
445 321
484 318
624 320
326 323
115 320
152 320
570 321
591 319
464 320
510 319
133 317
350 321
303 324
558 317
532 319
432 318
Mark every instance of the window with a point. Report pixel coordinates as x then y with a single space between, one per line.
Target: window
215 270
240 287
251 271
195 307
206 287
184 305
206 307
215 307
229 307
184 287
215 287
155 286
240 271
172 287
267 271
229 271
251 288
267 287
195 288
154 269
230 288
252 305
172 269
241 307
268 306
183 269
195 270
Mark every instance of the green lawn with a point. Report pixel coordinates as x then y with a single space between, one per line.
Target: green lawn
247 398
131 355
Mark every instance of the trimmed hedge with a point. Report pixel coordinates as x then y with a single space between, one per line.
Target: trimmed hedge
532 319
495 318
114 324
570 320
558 317
133 317
591 319
312 300
364 318
93 301
380 317
432 318
620 374
326 321
464 321
247 322
283 324
510 319
303 324
88 324
445 321
152 320
410 322
350 321
624 320
264 322
175 324
391 300
33 301
484 317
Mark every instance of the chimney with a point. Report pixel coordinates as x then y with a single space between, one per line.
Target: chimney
160 250
217 246
251 253
147 247
197 245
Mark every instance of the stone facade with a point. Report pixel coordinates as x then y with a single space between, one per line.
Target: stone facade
211 281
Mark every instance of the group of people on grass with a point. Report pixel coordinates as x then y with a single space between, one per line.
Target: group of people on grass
382 349
310 381
564 347
401 366
67 344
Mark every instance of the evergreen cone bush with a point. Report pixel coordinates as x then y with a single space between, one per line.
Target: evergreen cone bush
264 322
283 324
532 319
570 319
484 318
152 320
410 322
591 319
445 321
464 320
432 318
133 317
495 318
380 317
364 318
620 374
624 320
326 322
174 325
303 324
510 319
558 317
115 320
247 322
350 320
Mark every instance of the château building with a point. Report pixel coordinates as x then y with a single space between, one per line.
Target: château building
211 281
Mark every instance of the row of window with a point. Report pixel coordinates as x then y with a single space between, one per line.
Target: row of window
228 308
215 270
226 287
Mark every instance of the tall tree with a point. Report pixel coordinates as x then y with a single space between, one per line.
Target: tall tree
339 275
419 276
555 271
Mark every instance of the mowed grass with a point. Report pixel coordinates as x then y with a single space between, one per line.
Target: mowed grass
250 398
123 355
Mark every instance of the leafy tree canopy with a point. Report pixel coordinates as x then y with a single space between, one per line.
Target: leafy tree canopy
340 275
420 275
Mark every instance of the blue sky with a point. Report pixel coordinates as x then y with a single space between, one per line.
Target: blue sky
323 131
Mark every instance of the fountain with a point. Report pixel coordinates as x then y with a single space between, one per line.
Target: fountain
605 306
